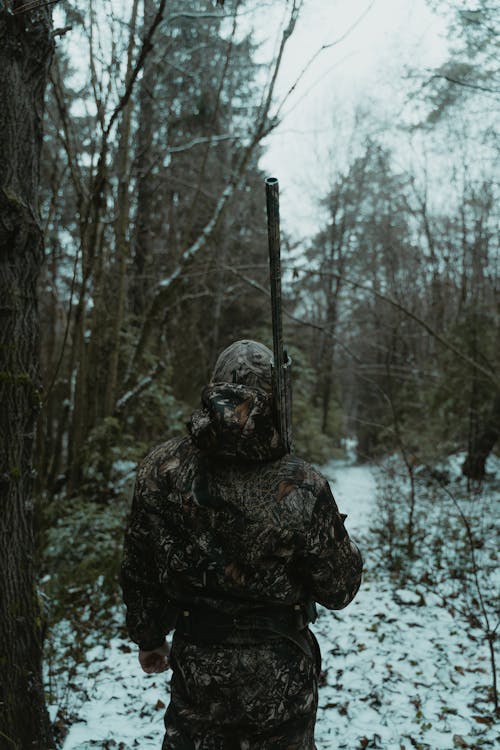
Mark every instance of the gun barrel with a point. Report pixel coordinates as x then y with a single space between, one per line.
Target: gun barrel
281 368
273 234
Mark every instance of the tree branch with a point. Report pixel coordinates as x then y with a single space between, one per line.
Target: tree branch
139 388
235 182
318 52
291 316
458 82
145 49
437 336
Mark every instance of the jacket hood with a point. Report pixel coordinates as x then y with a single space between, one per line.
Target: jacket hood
246 362
236 421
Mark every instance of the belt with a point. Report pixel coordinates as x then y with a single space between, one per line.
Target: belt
208 625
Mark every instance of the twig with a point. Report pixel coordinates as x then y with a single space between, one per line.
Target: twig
139 388
145 49
489 632
291 316
391 301
33 5
465 84
318 52
62 31
235 182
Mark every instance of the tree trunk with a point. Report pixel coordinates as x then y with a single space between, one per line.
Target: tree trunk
328 355
334 286
145 184
122 210
474 466
26 47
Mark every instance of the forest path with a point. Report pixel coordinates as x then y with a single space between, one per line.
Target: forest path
398 670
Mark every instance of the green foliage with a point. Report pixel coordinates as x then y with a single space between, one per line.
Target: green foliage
103 447
440 413
83 548
472 65
84 533
152 417
155 415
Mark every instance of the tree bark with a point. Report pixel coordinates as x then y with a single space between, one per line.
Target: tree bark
145 185
474 466
26 47
122 210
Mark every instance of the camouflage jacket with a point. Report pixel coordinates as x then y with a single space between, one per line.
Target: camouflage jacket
222 518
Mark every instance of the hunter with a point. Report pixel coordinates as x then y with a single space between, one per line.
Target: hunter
230 544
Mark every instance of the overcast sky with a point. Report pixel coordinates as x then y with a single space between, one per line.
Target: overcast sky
365 68
375 42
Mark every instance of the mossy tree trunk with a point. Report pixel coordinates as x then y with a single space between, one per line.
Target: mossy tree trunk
26 47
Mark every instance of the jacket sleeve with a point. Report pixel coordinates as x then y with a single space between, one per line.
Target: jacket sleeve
150 616
333 562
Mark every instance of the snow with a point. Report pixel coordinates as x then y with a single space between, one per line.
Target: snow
399 670
124 467
124 704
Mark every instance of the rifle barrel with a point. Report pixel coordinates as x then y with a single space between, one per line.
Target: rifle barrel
273 233
281 368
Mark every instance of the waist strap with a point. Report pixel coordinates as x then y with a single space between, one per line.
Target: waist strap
211 625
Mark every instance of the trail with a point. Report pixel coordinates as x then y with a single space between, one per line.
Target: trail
399 671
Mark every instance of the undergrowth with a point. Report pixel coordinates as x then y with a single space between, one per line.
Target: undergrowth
454 548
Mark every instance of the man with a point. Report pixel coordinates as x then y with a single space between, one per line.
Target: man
231 542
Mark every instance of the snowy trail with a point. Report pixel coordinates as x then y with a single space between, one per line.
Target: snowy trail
354 491
398 671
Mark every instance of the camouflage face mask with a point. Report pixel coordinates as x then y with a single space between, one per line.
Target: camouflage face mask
245 362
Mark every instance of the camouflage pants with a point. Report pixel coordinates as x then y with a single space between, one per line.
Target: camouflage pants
258 696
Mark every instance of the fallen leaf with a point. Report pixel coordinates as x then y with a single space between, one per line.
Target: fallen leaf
483 719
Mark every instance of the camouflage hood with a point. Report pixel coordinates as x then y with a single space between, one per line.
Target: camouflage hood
236 421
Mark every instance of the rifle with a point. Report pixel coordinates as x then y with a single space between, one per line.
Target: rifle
282 385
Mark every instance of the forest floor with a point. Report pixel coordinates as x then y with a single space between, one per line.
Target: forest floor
403 665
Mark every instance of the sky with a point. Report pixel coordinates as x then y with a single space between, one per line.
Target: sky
370 45
378 40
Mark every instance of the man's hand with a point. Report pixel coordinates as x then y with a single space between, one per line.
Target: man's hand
156 660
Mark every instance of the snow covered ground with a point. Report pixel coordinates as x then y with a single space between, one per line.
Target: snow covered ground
399 671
